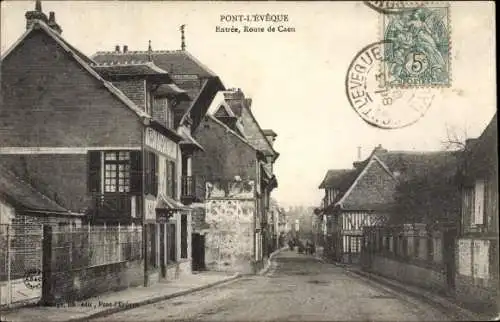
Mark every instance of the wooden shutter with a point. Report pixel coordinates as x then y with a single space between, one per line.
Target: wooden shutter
136 172
94 171
147 173
154 174
479 202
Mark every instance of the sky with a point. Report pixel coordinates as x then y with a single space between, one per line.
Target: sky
296 79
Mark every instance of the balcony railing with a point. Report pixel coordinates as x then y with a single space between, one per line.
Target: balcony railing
191 189
113 205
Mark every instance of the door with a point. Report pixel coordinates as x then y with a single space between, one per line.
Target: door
163 250
198 252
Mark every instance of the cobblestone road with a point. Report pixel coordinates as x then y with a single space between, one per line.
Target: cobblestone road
296 288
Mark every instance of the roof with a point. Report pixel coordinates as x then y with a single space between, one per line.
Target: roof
83 60
24 196
173 61
189 140
202 101
410 164
483 154
147 68
269 132
338 179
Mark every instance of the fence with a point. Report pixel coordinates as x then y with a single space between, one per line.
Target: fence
20 257
85 261
415 253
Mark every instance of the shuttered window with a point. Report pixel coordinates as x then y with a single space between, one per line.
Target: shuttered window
114 171
184 236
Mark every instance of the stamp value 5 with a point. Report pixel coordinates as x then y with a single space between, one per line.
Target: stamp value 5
417 46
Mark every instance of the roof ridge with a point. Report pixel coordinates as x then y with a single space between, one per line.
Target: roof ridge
163 51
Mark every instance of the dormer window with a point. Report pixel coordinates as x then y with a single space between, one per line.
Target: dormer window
163 112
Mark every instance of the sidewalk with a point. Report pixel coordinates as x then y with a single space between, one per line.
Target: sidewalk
446 303
113 302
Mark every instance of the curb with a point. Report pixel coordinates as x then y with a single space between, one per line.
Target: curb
458 312
114 310
268 264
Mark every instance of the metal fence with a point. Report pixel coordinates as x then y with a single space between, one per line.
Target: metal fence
87 246
20 263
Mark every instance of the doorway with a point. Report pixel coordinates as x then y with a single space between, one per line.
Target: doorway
198 252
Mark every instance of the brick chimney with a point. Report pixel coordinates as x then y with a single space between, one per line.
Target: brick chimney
117 48
37 14
125 48
53 24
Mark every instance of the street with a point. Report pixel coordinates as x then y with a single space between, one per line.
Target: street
297 287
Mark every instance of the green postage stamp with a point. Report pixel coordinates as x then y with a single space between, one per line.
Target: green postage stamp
417 46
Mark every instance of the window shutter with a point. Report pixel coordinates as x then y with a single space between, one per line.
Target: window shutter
154 173
94 171
147 171
135 172
479 202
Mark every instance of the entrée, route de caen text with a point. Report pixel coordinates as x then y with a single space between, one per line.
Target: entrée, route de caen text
248 29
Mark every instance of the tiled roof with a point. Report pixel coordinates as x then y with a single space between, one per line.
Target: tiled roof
339 179
483 154
173 61
24 196
147 68
411 164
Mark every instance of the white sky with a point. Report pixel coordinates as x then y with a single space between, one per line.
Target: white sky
296 79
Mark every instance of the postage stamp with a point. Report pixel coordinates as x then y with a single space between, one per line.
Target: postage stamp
378 104
417 46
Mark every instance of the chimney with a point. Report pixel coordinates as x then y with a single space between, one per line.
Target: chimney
125 48
53 24
359 153
37 14
117 48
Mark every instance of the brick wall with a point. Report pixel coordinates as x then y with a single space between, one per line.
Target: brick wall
61 177
134 89
48 99
225 155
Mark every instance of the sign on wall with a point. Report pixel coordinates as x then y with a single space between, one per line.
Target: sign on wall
150 211
160 143
237 189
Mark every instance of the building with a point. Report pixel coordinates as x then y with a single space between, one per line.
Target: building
201 85
236 167
100 139
477 278
388 187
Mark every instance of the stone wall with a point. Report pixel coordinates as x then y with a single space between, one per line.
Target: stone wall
229 240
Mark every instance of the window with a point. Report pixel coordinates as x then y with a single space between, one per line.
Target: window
184 237
172 244
117 171
171 178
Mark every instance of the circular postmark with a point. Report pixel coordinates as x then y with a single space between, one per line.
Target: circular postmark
376 103
33 278
393 7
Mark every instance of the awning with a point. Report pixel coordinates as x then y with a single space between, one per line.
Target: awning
167 203
170 90
188 140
